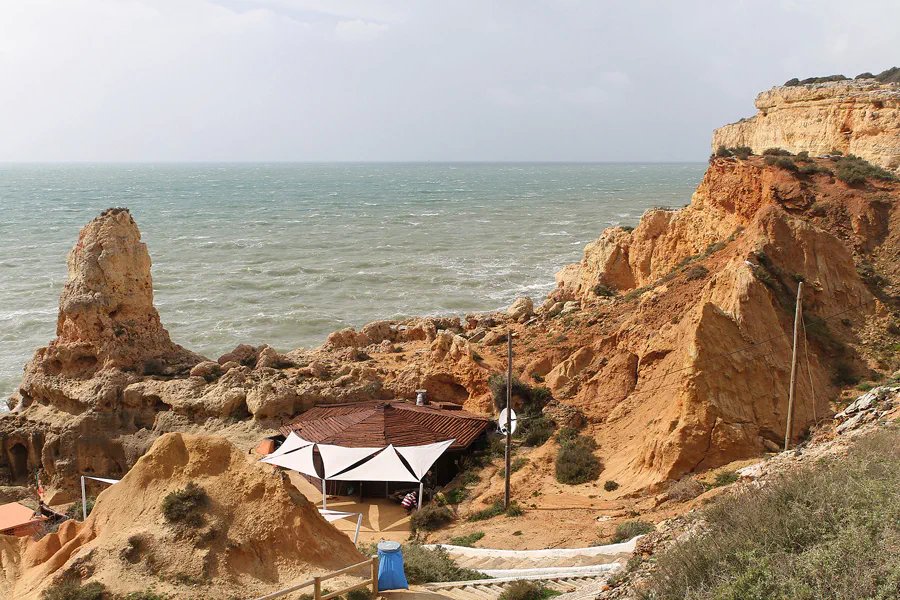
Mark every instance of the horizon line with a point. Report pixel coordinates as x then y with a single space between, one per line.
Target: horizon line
354 162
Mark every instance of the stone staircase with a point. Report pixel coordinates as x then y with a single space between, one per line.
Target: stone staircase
576 573
573 587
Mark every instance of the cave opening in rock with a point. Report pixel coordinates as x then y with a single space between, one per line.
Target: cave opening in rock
18 458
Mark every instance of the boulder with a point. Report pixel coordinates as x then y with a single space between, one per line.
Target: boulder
521 310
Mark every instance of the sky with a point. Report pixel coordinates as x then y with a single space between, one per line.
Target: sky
405 80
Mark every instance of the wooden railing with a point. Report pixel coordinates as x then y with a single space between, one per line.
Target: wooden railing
316 583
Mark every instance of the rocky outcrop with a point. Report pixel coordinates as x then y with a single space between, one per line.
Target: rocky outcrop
860 117
666 386
256 531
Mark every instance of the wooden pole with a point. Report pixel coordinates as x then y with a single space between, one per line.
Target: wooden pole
790 414
375 577
83 500
508 412
317 588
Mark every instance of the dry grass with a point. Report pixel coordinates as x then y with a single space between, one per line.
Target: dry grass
831 531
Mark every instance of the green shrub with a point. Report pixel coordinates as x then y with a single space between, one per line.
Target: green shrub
726 478
490 512
782 162
514 510
742 152
853 170
575 462
145 595
722 151
73 590
828 530
360 594
76 511
525 589
696 272
631 529
627 228
537 431
604 291
456 495
467 540
610 485
185 506
803 156
776 152
843 374
686 488
430 517
425 565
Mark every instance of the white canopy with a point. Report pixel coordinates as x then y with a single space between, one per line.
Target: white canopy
385 466
335 515
291 443
103 479
338 458
299 460
420 458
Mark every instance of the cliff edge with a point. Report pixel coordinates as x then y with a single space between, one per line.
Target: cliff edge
860 116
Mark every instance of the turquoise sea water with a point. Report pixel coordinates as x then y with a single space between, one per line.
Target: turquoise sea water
284 254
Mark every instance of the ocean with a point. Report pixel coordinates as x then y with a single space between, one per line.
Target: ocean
284 254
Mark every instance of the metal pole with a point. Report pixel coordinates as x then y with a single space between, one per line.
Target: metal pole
790 414
421 492
83 500
508 411
324 506
358 523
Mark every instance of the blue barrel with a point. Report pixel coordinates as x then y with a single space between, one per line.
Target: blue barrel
390 567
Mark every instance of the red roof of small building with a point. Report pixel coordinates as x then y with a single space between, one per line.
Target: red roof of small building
14 515
379 423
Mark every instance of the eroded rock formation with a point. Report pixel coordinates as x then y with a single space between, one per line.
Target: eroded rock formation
256 531
860 117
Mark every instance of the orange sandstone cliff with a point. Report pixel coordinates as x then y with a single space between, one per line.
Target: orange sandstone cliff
672 340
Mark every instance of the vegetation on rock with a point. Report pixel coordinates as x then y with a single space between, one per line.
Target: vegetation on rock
827 531
185 506
430 517
524 589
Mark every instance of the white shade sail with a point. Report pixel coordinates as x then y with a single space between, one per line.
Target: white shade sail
385 466
420 458
291 443
299 460
335 515
103 479
338 458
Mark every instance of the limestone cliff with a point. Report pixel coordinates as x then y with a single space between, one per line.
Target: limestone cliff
860 117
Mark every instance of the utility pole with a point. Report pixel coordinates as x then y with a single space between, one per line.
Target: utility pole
509 355
790 414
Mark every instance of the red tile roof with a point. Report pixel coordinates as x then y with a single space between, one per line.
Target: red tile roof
379 423
14 515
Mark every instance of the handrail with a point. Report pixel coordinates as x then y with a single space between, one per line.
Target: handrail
316 582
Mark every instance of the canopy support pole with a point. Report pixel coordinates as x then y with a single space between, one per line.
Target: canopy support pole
421 490
323 494
358 523
83 501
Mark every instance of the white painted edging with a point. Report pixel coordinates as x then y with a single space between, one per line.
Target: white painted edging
584 571
624 547
475 582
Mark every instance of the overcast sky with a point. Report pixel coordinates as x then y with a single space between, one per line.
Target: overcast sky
449 80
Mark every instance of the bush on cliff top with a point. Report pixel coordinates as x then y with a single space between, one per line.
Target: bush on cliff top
828 531
854 170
